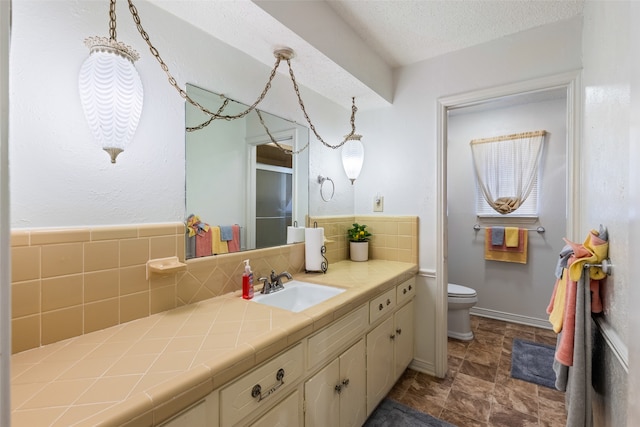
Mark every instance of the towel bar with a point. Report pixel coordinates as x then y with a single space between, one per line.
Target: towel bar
606 266
539 229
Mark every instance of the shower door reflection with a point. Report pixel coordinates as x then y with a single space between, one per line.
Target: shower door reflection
273 204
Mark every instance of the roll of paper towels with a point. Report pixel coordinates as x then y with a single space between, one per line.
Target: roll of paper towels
313 242
295 234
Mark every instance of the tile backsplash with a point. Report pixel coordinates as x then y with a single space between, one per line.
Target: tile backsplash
68 282
394 238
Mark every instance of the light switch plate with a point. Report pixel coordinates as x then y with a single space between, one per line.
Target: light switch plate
378 203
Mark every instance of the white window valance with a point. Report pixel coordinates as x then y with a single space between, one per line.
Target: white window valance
507 167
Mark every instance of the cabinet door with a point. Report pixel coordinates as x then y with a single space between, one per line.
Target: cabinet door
353 404
284 414
380 375
404 338
322 401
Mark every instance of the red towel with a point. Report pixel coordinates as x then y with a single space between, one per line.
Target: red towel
234 243
203 243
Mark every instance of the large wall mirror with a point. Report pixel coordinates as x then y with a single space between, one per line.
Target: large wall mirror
238 182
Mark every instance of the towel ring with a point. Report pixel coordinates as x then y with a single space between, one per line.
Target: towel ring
321 181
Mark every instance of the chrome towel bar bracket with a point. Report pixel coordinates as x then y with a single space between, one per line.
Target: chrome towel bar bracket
606 266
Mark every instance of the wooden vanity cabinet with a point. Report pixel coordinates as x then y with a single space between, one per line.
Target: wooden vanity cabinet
389 349
202 414
284 414
258 390
335 377
335 396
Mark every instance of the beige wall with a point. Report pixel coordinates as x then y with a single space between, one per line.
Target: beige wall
69 282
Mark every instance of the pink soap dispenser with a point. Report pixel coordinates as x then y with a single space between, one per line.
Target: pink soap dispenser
247 281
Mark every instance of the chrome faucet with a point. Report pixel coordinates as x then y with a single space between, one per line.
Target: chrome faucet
274 282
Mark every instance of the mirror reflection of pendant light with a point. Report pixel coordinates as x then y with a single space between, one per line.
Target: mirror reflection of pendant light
353 157
111 90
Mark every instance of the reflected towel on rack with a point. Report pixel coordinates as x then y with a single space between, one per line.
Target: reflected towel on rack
511 237
497 236
218 246
226 233
190 245
503 253
234 244
203 243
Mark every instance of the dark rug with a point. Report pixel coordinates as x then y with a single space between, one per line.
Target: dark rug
390 413
533 362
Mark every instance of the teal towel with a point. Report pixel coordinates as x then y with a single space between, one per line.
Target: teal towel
497 236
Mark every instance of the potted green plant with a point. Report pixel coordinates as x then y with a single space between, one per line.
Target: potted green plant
358 242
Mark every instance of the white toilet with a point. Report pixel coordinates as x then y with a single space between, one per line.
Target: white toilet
460 300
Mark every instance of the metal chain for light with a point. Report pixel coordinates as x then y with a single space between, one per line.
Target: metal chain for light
112 20
182 92
212 118
354 109
217 115
273 140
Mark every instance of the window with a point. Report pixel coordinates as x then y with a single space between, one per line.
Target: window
506 169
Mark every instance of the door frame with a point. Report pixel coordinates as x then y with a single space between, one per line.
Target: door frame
291 137
569 81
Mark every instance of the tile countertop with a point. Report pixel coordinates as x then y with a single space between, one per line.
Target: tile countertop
141 372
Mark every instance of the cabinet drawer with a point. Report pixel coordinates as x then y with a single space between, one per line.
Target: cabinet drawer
241 398
381 305
337 336
406 290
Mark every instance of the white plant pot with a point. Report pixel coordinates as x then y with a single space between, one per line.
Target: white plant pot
359 251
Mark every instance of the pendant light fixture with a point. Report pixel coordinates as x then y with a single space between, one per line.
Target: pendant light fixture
111 94
353 157
111 90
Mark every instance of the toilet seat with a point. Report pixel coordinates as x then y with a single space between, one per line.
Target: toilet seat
460 291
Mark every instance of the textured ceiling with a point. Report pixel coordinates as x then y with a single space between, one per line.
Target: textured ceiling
404 32
352 46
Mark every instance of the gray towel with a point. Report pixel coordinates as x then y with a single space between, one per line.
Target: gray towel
226 233
497 236
565 253
190 246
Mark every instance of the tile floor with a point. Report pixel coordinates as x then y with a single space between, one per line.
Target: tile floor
478 390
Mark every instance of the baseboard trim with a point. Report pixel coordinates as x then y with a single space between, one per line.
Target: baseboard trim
423 366
511 317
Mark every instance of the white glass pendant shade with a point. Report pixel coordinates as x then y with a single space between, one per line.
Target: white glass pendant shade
111 94
353 157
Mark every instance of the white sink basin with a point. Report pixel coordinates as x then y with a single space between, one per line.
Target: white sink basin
297 296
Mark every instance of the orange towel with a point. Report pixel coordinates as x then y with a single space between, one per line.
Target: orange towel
503 253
